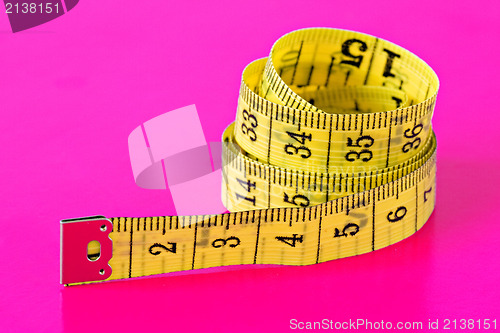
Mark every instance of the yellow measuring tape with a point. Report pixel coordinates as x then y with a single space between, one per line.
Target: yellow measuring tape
331 155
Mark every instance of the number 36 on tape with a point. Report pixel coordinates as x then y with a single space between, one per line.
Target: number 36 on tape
332 154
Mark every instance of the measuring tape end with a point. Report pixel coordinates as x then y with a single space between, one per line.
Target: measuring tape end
85 249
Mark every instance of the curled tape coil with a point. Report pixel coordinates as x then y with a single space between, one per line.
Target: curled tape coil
331 155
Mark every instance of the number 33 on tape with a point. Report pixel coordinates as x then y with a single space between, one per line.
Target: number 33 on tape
331 155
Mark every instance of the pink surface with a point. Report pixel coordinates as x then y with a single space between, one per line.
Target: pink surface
171 149
73 89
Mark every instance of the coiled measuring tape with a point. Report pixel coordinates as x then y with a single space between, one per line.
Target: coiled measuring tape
331 155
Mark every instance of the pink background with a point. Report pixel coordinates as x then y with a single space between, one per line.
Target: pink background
73 89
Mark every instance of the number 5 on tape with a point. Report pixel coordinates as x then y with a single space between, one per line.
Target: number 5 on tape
85 249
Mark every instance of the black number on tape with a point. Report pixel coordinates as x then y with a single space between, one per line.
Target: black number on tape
250 118
249 130
425 194
156 248
414 131
231 241
388 65
297 200
364 154
368 139
350 229
301 138
247 185
346 50
410 135
354 155
398 101
242 197
291 240
290 149
398 214
412 144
